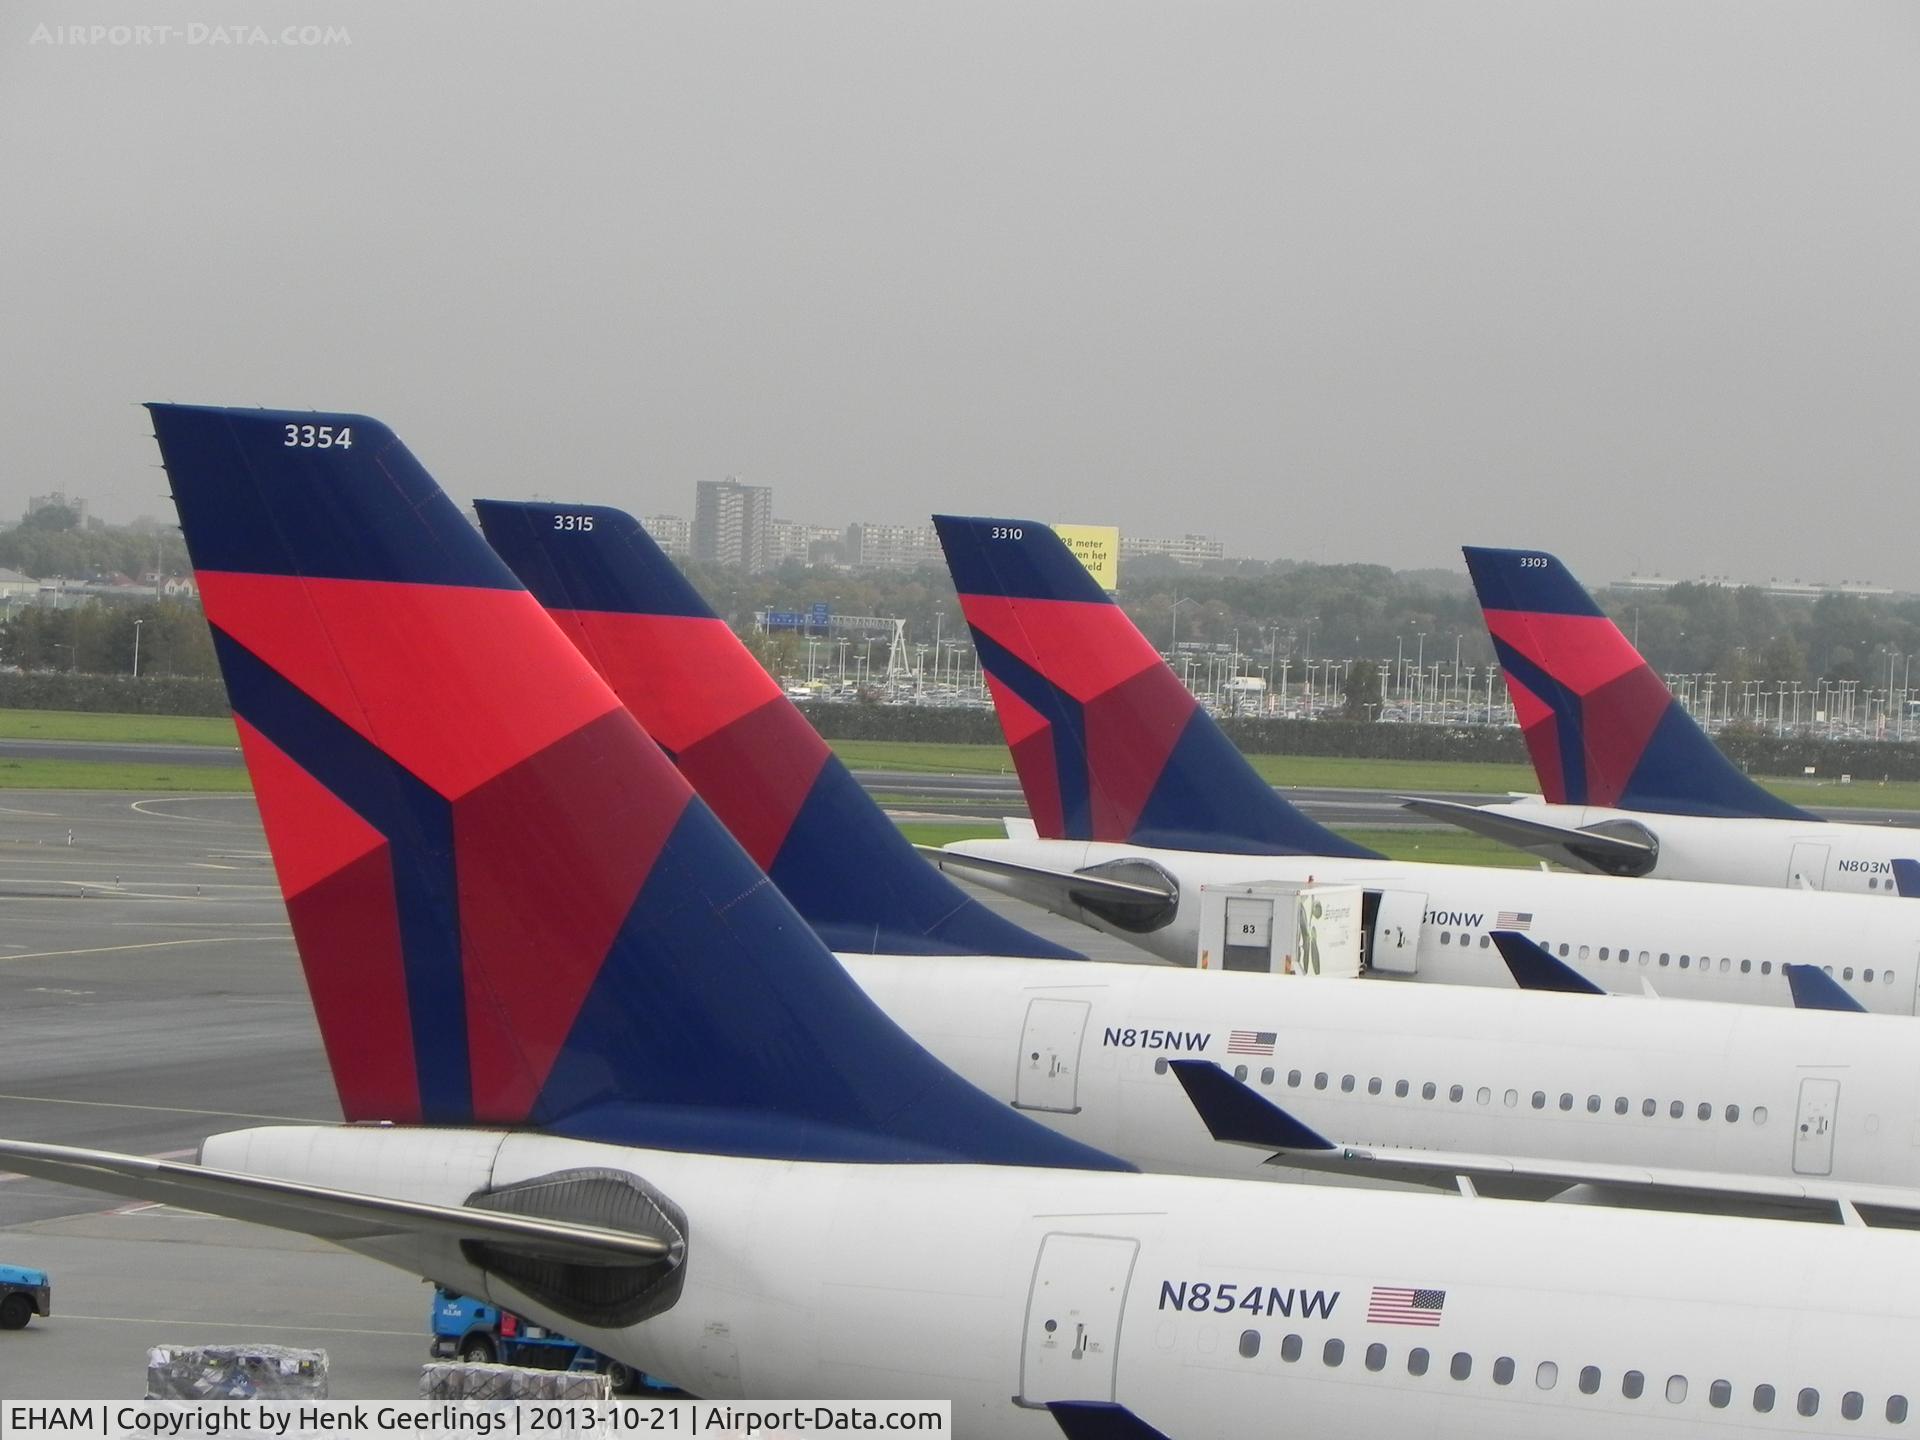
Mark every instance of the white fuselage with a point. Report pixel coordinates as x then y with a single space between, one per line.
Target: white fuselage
1207 1307
1684 940
1732 1090
1830 855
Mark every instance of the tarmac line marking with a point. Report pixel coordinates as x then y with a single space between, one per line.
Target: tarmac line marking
235 1325
168 1110
139 806
110 949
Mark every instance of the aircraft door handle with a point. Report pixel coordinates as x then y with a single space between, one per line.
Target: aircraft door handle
1079 1341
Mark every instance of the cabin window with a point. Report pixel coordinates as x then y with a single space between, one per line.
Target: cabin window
1886 977
1847 974
1333 1352
1290 1346
1376 1356
1683 961
1160 1066
1603 952
1726 964
1539 1099
1619 1104
1763 1399
1239 1072
1456 1094
1589 1379
1346 1084
1566 1100
1677 1109
1483 1095
1249 1344
1293 1079
1546 1375
1320 1080
1503 1370
1676 1389
1400 1089
1416 1361
1733 1113
1648 1107
1808 1402
1373 1085
1485 941
1633 1384
1583 952
1512 1098
1643 957
1766 967
1446 937
1428 1090
1664 957
1873 882
1593 1104
1866 976
1897 1409
1852 1404
1759 1114
1746 967
1827 970
1706 1111
1462 1365
1563 949
1720 1394
1266 1076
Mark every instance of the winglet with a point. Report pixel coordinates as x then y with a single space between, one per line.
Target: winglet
1534 969
1814 989
1234 1113
1906 878
1601 726
1109 745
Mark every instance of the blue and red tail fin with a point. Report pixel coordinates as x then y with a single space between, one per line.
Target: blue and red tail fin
1601 726
511 908
1108 743
747 751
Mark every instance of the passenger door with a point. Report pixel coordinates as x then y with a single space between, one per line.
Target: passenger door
1808 867
1814 1126
1049 1073
1071 1349
1395 938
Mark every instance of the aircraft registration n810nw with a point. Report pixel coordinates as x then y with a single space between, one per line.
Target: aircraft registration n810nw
1726 1107
1139 801
630 1095
1630 784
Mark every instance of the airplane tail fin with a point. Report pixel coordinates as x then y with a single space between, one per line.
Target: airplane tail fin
750 754
511 909
1108 743
1601 726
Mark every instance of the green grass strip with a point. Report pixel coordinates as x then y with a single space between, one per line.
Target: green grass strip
121 729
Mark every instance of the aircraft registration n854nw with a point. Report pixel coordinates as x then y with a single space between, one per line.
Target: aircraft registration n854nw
632 1096
1630 784
1139 800
1728 1107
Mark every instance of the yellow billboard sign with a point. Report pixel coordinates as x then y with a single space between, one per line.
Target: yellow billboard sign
1098 548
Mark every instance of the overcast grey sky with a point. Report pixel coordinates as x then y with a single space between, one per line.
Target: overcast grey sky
1638 282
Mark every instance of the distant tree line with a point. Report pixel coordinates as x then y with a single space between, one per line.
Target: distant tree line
97 637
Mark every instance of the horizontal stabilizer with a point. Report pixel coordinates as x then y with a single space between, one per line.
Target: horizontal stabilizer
336 1215
1906 878
1239 1115
1070 885
1583 849
1814 989
1534 969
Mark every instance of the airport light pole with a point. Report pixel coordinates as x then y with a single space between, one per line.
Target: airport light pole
136 648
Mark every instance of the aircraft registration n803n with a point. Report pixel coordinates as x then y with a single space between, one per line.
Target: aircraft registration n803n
1139 801
631 1096
1725 1107
1630 784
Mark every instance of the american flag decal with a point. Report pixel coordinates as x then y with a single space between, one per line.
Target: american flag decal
1251 1042
1514 920
1403 1305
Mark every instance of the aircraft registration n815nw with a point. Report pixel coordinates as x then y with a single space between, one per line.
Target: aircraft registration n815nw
1630 785
1726 1107
630 1095
1139 801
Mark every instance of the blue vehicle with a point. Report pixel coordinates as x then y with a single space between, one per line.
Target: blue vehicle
484 1334
23 1294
